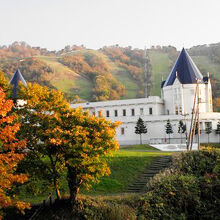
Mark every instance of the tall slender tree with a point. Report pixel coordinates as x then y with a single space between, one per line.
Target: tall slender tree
181 128
208 130
169 129
140 128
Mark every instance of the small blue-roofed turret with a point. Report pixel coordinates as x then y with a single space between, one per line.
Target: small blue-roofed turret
17 77
185 70
178 91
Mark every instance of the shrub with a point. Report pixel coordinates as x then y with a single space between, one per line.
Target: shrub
171 197
95 209
199 163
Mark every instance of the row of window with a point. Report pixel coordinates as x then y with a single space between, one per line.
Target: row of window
178 110
124 112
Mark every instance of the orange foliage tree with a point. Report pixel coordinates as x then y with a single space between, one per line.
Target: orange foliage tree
40 117
85 140
10 154
68 138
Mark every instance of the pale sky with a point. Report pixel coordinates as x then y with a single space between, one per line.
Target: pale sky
96 23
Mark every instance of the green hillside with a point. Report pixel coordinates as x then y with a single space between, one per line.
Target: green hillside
160 69
108 73
67 80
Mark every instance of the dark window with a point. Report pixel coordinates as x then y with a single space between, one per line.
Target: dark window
124 112
168 112
150 111
122 131
107 113
132 112
116 113
141 111
180 110
176 110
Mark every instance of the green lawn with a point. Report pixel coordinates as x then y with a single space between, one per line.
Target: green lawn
141 147
125 166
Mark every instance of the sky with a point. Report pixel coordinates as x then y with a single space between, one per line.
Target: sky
54 24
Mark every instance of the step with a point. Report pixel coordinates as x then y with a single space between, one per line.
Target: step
159 164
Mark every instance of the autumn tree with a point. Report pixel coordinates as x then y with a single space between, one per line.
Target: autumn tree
140 128
11 153
66 138
40 118
84 142
4 85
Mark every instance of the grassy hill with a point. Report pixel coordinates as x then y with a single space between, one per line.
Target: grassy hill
108 73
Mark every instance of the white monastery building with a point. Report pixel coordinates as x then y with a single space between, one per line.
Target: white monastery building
176 103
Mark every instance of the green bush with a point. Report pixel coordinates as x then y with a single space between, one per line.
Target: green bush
188 190
171 197
95 209
199 163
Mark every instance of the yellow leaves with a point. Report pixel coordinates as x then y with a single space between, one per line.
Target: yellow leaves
55 141
22 205
172 193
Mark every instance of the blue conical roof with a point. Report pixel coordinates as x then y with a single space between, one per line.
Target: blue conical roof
17 77
184 69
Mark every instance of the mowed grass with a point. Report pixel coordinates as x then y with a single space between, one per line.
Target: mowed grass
160 67
125 166
142 147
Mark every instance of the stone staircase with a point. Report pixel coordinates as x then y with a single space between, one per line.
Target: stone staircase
156 166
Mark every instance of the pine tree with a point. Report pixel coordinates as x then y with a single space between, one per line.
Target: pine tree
140 128
169 128
217 131
181 128
208 130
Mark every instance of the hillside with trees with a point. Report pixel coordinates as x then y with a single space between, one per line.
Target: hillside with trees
109 73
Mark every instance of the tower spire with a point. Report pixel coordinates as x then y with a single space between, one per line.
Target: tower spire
17 77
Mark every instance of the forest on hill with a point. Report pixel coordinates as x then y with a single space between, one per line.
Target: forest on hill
112 72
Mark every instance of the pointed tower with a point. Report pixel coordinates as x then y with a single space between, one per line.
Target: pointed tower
180 86
17 77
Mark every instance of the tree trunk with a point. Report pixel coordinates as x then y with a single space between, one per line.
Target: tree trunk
140 139
169 138
74 185
56 188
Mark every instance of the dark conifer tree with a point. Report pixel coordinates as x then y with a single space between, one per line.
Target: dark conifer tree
169 129
181 128
208 130
140 128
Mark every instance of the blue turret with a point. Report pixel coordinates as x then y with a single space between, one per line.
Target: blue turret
185 70
17 77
